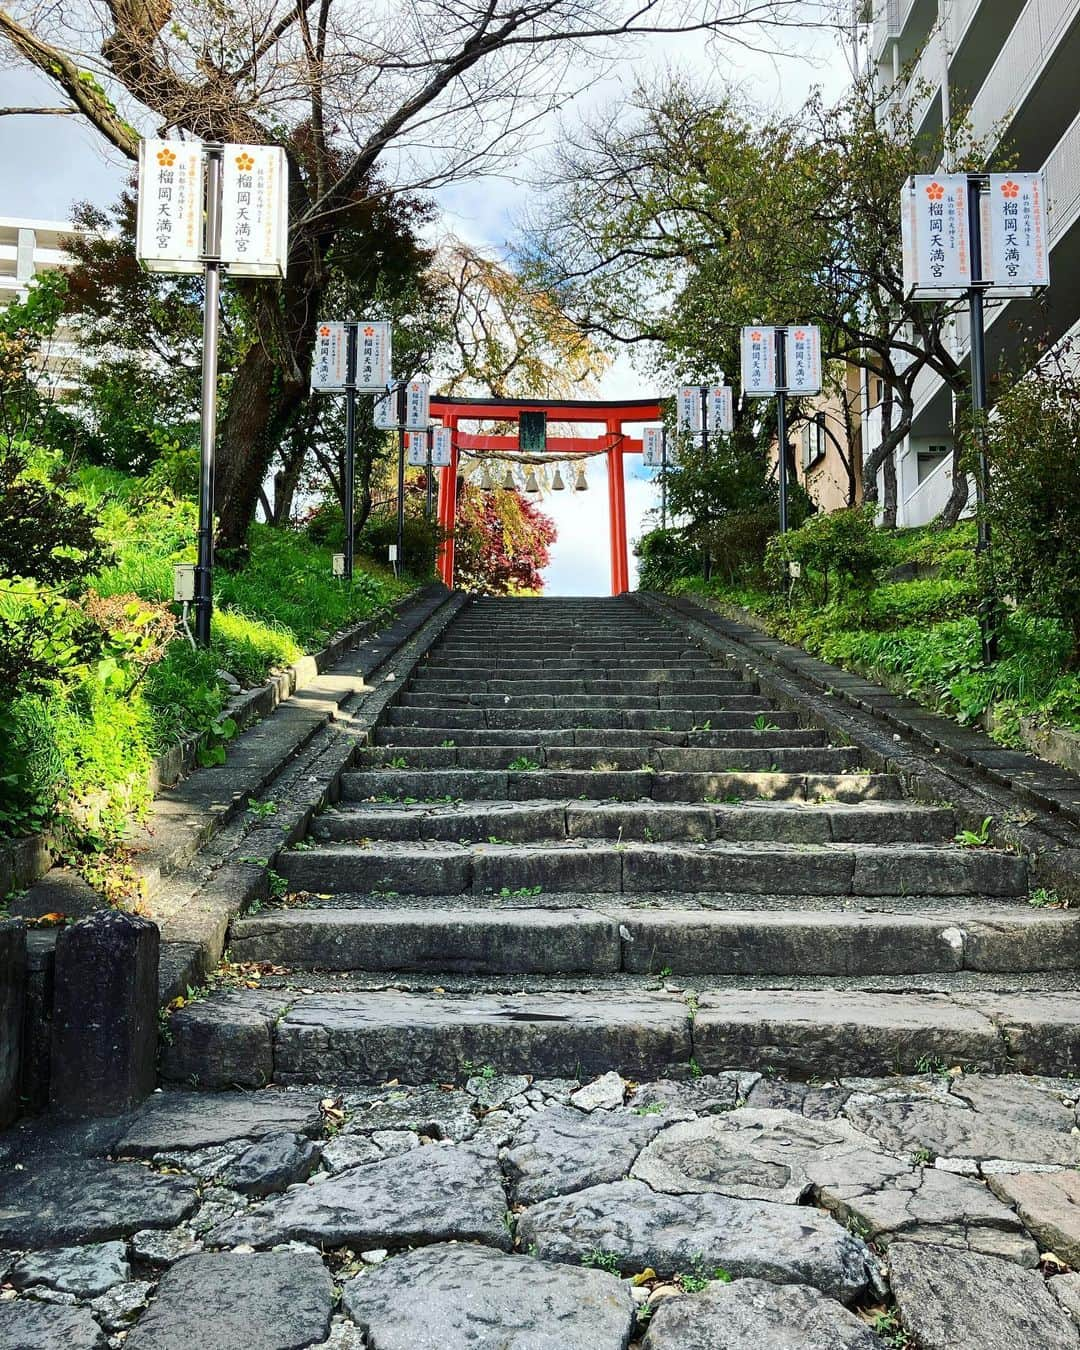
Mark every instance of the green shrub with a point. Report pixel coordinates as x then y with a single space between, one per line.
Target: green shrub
420 537
739 540
664 556
831 547
1034 448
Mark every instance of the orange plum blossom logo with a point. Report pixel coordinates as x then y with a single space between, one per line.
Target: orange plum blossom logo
935 192
800 336
245 163
324 331
166 157
369 331
755 337
1010 190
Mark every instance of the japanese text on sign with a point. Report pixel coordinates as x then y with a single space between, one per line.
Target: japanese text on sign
441 448
1015 253
328 362
385 411
758 352
652 447
721 412
169 229
417 404
934 230
372 355
689 408
416 448
254 210
802 359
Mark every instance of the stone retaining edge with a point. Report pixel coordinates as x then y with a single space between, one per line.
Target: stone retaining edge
937 760
25 860
194 938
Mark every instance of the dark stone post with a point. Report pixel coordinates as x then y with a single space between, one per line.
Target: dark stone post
104 1014
12 998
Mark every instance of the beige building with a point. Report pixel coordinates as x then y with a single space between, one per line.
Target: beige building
28 250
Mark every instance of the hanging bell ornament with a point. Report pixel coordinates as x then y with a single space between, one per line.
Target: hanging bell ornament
557 484
486 481
508 479
531 485
581 485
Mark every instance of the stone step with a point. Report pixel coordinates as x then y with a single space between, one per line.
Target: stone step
527 684
524 755
620 739
556 667
677 942
528 822
435 785
249 1038
708 704
555 719
443 868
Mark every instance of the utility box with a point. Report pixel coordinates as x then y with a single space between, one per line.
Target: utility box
338 564
183 583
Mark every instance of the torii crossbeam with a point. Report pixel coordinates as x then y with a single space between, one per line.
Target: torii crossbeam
612 442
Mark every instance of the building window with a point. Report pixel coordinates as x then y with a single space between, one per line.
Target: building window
813 441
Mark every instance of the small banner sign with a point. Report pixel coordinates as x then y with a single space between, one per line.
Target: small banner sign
802 358
169 231
721 409
385 411
1015 249
328 362
688 408
934 232
758 352
416 448
652 447
372 355
417 404
254 210
441 448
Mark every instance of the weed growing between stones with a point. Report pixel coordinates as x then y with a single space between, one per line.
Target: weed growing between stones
974 838
523 764
599 1259
1042 898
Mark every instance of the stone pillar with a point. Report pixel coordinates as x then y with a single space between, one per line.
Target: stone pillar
12 998
105 1014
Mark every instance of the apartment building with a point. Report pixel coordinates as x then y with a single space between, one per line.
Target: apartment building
29 249
1015 67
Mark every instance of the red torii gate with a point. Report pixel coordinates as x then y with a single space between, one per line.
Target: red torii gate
613 415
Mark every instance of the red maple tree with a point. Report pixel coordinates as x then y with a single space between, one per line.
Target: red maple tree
502 543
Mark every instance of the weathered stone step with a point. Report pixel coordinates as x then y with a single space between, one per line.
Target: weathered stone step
435 785
525 822
677 942
709 704
496 665
663 759
614 719
749 738
524 683
824 869
250 1038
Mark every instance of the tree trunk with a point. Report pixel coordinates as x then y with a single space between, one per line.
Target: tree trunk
888 506
958 496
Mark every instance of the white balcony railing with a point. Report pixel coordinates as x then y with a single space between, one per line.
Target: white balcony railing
1029 46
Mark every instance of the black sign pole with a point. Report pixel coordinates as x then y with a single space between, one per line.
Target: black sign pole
349 492
781 424
204 566
429 436
403 394
987 600
706 559
663 477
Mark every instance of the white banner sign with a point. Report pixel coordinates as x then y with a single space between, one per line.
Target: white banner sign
255 210
441 448
417 404
802 359
328 366
169 232
721 409
385 411
934 230
1015 252
416 448
652 447
689 408
758 351
372 356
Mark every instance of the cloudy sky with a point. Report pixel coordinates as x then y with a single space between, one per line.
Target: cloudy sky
52 161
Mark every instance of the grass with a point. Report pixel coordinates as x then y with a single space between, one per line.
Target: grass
921 637
78 753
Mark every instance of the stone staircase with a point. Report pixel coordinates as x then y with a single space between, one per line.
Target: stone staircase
579 843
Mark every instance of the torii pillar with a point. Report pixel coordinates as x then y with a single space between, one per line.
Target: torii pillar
446 514
620 569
